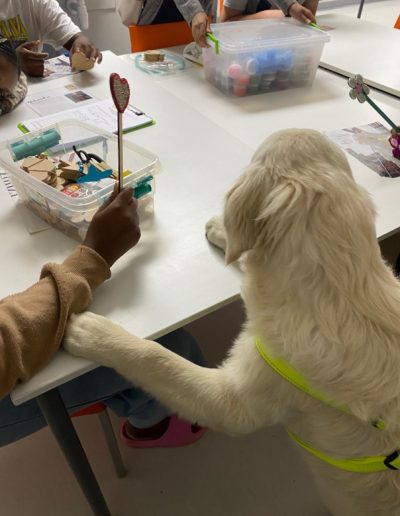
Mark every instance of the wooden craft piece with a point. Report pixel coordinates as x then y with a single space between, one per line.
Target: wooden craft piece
153 55
80 62
40 175
69 173
45 165
61 183
50 179
29 162
71 168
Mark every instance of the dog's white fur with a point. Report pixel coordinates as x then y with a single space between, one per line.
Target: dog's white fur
316 289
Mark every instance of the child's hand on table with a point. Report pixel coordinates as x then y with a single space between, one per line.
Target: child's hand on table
115 227
31 61
304 13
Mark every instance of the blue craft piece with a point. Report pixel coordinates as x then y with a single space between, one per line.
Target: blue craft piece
94 174
265 61
284 60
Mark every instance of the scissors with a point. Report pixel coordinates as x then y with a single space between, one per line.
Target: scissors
85 157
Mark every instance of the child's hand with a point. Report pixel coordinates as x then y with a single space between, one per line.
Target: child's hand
302 13
115 227
31 61
200 27
81 43
8 74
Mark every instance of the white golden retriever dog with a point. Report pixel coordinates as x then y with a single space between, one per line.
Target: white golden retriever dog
318 292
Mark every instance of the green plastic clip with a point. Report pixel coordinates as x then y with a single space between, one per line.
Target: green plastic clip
316 26
215 42
142 187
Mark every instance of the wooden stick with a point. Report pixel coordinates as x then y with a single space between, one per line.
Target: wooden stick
120 153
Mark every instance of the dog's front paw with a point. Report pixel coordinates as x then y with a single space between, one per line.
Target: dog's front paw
86 336
215 232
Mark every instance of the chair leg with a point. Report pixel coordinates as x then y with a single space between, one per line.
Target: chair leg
360 8
112 443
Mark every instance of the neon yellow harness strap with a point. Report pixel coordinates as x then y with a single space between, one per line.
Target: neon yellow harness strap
291 375
356 465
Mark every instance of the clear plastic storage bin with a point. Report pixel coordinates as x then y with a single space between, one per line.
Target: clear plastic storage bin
260 56
73 209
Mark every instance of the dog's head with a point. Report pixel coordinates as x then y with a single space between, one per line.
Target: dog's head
298 182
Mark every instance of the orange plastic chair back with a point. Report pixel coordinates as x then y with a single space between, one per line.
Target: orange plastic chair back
220 7
161 35
397 24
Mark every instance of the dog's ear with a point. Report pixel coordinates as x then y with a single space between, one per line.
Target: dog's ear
257 209
271 198
239 216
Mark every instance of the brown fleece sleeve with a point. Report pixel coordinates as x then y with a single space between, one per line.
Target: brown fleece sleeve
32 323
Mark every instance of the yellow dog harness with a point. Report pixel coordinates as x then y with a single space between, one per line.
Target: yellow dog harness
356 465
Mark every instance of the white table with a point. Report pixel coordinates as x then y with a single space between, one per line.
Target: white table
173 252
203 140
363 47
325 106
172 277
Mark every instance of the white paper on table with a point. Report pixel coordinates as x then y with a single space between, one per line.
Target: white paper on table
55 68
369 144
101 114
54 101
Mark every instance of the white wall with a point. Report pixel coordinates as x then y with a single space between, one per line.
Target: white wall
105 27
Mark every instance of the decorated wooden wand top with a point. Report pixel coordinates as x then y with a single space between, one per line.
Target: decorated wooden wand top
120 93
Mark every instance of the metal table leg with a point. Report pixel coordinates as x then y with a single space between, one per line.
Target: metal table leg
56 415
112 443
360 9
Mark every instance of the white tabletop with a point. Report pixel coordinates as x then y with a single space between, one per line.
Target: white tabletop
362 47
203 140
173 275
325 106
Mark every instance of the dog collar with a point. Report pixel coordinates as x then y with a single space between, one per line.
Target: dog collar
356 465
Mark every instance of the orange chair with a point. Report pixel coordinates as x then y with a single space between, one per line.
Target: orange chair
220 8
397 24
101 410
161 35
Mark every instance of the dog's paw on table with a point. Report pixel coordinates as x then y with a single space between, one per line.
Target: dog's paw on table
215 232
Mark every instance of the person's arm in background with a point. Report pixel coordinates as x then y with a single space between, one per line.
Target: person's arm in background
58 28
302 10
13 84
32 323
196 14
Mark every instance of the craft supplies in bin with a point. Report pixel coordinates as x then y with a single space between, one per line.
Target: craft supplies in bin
260 56
64 173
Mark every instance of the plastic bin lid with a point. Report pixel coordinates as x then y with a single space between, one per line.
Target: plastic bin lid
253 35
